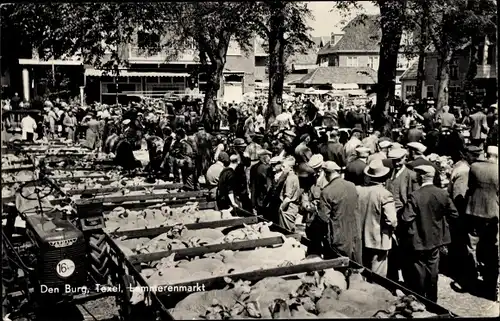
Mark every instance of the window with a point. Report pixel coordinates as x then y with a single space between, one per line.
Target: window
147 39
260 61
373 62
454 69
411 90
352 61
430 91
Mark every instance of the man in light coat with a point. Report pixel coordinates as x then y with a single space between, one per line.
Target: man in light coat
481 221
352 144
28 127
290 196
377 212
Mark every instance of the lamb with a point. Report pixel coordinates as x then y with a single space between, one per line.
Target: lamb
212 266
197 303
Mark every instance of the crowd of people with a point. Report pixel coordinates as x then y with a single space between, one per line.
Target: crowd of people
386 199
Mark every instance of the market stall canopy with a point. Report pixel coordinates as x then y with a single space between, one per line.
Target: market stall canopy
345 86
125 73
338 75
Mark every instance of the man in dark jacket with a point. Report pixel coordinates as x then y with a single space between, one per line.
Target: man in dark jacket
337 209
354 171
414 134
425 230
225 195
417 158
334 150
260 181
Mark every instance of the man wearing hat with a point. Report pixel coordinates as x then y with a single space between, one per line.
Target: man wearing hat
260 181
429 117
383 148
377 218
352 144
226 188
354 171
481 221
239 147
401 183
310 202
424 230
414 134
203 150
417 158
290 196
337 212
334 151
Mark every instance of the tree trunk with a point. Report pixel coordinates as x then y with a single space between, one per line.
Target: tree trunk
210 115
443 79
392 15
276 62
217 55
421 53
473 62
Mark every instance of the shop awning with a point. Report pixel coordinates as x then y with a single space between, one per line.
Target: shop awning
345 86
126 73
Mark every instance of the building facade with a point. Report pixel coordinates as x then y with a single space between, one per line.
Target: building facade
485 79
153 74
358 46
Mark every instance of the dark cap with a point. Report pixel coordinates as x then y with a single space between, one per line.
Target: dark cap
223 157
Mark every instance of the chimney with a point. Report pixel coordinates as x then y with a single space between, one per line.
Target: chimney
335 37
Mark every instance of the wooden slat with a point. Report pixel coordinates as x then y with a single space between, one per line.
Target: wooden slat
113 189
61 178
153 232
145 197
12 169
202 205
201 250
170 298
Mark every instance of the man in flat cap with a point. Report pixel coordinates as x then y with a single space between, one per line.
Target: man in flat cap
226 188
425 230
354 171
337 212
401 183
333 150
481 221
417 158
383 148
260 181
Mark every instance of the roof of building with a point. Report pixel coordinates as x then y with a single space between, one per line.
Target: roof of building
339 75
292 77
307 58
320 41
410 73
361 34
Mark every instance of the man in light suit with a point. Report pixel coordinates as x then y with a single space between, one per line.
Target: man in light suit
481 221
479 127
378 218
425 230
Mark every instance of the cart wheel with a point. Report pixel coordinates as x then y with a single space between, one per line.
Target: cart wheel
99 257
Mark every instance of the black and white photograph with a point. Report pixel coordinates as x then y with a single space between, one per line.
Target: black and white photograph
274 159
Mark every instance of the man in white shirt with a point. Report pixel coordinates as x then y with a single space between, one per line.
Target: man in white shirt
28 127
